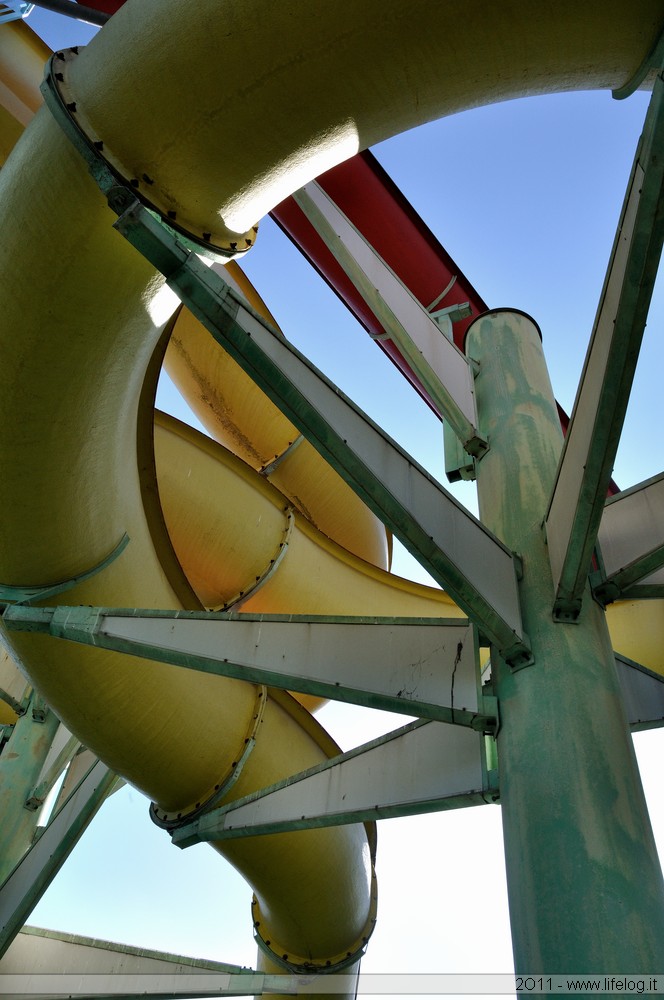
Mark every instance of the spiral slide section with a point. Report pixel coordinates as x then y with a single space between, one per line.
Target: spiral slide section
216 120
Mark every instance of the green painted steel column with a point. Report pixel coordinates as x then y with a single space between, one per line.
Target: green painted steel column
584 880
21 761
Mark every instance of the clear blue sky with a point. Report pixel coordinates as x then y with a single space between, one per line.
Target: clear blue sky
525 196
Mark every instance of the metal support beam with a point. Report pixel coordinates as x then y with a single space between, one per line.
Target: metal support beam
62 750
23 889
643 694
584 880
21 764
438 363
75 10
161 986
15 690
422 767
631 538
36 951
584 472
422 667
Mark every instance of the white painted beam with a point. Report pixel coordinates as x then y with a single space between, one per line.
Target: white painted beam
441 367
584 472
422 767
631 538
421 667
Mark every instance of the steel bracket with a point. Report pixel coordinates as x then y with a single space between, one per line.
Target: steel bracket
567 612
491 716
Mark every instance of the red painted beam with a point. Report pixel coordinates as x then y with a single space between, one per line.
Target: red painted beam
374 204
106 6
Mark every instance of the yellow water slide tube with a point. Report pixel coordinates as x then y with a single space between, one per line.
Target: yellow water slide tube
237 414
225 114
22 58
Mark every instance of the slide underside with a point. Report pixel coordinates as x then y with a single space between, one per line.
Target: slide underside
275 93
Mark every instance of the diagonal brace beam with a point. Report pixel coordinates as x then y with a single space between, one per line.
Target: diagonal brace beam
441 367
589 452
34 873
631 538
452 545
421 767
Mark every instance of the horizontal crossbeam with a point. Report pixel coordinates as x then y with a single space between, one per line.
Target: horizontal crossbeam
422 667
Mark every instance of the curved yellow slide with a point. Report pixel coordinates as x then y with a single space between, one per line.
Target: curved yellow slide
278 93
237 414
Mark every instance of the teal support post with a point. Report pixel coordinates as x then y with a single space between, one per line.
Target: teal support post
584 881
21 762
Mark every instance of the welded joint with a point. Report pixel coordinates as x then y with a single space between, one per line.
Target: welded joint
39 708
610 587
491 794
19 707
487 721
451 314
476 446
41 790
567 611
605 591
79 620
520 655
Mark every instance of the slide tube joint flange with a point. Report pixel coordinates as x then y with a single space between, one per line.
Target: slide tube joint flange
120 185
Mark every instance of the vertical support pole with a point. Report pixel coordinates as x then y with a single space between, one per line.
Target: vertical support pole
584 881
21 761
